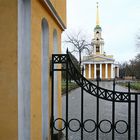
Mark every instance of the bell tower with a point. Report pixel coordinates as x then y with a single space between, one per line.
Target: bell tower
98 64
97 41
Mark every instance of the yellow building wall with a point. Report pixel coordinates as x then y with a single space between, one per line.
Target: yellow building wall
92 71
9 67
97 53
38 13
109 71
103 71
87 70
60 6
8 71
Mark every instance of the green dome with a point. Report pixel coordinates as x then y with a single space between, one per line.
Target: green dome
97 27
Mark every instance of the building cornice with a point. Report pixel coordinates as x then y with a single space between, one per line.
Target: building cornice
104 57
55 14
97 56
100 62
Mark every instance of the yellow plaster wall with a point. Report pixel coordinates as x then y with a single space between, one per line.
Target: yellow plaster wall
38 13
109 71
8 71
8 67
92 71
60 6
103 71
87 69
97 53
110 56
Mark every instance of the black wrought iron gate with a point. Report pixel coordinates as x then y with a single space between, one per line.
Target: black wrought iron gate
131 124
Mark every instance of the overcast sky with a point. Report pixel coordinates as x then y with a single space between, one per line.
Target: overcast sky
119 20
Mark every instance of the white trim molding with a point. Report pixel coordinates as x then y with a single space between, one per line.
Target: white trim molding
106 62
24 55
112 72
55 14
84 71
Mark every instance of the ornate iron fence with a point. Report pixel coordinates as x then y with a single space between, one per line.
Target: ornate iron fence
130 98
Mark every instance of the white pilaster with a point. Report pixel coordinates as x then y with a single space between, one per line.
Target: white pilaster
84 70
117 71
101 71
89 70
112 72
94 49
100 49
95 71
106 71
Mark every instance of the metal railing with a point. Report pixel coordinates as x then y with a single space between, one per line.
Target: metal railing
100 93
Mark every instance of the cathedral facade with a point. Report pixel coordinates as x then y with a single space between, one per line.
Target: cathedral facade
98 64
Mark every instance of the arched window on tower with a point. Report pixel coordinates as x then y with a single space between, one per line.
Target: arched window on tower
97 48
97 34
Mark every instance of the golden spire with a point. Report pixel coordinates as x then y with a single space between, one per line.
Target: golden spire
97 16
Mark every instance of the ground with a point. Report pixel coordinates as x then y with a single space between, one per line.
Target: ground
90 113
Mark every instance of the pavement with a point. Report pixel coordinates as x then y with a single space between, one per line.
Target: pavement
105 114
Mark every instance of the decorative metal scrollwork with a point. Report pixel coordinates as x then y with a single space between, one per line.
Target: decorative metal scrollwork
74 121
125 125
92 123
59 58
92 88
74 125
105 123
56 122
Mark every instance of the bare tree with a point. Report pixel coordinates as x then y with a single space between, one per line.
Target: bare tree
132 68
122 69
79 43
138 40
137 59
